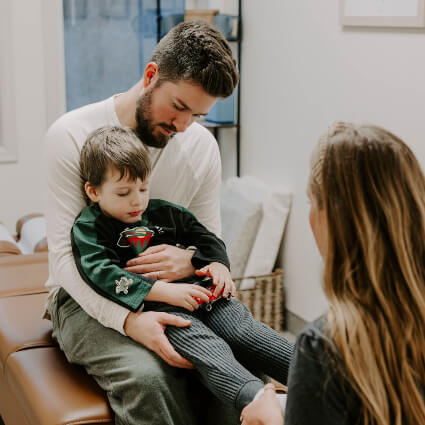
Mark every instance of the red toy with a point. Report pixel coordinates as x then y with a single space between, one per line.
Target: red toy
208 283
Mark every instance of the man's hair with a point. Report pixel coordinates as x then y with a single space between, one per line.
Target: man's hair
113 147
371 190
195 51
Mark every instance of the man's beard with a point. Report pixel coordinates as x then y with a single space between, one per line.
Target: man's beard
144 128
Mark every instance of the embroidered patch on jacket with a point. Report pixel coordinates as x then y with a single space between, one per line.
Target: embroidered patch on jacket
122 285
137 237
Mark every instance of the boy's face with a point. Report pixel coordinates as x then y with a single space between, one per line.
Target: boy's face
123 199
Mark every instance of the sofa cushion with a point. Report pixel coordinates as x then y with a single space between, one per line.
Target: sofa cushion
10 411
22 326
275 204
51 391
240 218
23 274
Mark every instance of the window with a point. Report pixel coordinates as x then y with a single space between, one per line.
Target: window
108 44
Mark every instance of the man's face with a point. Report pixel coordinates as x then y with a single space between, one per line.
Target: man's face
169 108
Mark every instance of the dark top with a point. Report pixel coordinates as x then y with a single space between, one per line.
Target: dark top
102 246
317 394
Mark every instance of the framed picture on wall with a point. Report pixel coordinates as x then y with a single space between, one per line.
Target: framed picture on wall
383 13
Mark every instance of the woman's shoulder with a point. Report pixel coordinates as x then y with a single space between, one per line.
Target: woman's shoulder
314 335
316 354
317 391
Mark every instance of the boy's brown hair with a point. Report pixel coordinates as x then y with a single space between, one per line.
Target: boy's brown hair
112 147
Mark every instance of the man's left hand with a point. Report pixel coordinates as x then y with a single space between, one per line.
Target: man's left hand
164 262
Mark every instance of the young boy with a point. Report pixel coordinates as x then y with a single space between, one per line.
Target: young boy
121 221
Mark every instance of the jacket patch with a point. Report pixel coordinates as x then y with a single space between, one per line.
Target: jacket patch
122 285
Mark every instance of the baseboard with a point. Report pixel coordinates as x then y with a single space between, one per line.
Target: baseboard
293 323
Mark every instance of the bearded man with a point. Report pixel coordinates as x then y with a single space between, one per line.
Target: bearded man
128 354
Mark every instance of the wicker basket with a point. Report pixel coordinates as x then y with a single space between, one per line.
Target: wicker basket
266 300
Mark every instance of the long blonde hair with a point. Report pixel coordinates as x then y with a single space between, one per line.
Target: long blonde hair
372 190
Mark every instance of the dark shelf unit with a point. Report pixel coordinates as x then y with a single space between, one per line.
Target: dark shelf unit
215 127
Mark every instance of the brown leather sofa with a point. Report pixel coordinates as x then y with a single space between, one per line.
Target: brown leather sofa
37 384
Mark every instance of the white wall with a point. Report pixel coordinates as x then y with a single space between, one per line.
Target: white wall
300 71
35 102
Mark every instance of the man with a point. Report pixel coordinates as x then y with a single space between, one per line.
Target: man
190 68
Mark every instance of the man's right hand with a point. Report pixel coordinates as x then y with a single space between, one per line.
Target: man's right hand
148 328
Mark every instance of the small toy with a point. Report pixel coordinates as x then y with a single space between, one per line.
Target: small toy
208 284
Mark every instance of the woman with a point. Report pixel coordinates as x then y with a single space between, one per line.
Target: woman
363 362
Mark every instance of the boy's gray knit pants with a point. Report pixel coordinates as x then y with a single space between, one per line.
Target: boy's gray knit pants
226 341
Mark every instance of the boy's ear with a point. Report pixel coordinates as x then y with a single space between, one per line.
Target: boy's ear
91 192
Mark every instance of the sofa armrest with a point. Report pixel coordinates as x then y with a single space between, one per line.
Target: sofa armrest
23 274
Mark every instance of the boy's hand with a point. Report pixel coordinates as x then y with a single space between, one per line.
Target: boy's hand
220 275
178 294
184 294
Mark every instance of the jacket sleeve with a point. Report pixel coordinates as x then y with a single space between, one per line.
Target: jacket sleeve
209 247
99 266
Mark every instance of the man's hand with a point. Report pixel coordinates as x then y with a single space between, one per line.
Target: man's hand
165 262
221 277
266 410
148 329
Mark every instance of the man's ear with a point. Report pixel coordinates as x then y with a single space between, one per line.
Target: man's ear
150 75
91 192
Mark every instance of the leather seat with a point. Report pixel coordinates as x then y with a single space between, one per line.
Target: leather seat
21 325
51 391
23 274
37 384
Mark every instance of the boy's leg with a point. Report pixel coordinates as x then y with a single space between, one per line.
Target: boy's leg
214 360
141 388
253 342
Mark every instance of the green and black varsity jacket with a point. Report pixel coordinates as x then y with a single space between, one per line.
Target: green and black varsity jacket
102 246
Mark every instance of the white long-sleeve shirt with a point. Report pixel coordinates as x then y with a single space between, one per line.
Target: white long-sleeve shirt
186 172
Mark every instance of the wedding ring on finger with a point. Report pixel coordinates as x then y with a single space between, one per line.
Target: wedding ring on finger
157 275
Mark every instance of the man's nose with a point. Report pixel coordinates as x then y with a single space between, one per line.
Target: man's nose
183 120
